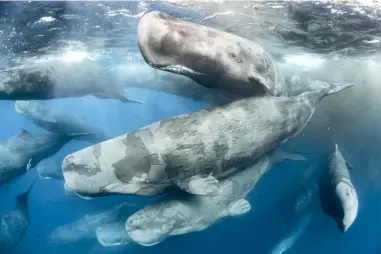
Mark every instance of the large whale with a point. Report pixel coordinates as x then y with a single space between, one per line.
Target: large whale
53 78
84 229
14 224
57 121
337 194
208 56
190 213
25 150
191 151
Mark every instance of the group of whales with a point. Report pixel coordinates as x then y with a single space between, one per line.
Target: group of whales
214 156
25 150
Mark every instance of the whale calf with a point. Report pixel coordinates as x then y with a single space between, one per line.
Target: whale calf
25 150
113 234
190 213
15 223
210 57
52 79
57 121
191 151
85 228
338 196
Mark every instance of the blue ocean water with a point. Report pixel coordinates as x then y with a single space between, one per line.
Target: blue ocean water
328 41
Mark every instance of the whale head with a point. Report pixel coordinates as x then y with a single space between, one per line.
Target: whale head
155 223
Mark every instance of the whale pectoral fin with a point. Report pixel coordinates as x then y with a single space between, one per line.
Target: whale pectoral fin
204 185
349 166
124 99
29 165
241 206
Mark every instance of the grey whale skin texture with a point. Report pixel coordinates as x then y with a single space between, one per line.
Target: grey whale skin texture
191 213
210 57
57 121
25 150
337 194
191 151
85 228
14 224
53 79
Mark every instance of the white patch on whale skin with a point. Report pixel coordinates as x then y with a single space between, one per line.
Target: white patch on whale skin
348 196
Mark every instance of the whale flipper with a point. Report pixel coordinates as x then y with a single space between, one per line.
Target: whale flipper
238 207
124 99
204 185
29 165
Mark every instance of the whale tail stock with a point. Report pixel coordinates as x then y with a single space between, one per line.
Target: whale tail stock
315 96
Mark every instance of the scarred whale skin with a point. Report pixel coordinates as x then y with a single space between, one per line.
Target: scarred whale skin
210 57
191 213
191 151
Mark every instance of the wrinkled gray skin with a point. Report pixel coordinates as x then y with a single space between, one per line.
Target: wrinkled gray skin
85 228
15 223
25 150
337 195
113 234
51 79
191 213
192 150
57 121
210 57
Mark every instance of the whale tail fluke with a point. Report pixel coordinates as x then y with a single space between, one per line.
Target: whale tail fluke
124 99
315 96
